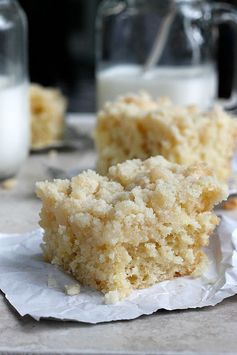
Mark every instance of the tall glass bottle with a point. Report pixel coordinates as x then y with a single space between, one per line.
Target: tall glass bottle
14 105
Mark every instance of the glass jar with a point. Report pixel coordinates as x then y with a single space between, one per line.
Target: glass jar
166 48
14 105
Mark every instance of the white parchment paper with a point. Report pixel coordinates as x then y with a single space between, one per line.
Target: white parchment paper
24 280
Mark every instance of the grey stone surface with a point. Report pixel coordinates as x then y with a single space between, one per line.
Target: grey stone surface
211 330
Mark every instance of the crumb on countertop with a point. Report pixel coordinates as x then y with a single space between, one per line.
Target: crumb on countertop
9 184
53 154
230 204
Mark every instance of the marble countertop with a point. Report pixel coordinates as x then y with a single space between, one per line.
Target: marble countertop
211 330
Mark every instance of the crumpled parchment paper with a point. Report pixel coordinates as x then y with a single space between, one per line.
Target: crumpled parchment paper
24 278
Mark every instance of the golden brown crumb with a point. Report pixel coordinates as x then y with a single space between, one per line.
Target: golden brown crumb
147 221
136 126
9 184
230 204
48 108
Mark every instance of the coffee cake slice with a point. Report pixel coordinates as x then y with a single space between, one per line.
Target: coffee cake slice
136 126
147 221
48 110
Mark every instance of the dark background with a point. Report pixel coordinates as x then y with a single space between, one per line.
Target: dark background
61 49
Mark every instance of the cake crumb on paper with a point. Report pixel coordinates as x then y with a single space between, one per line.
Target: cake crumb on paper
72 290
52 282
112 297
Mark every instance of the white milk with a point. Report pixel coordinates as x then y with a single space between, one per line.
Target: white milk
184 85
14 127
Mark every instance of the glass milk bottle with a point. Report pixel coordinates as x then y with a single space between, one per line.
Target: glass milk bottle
165 47
14 114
